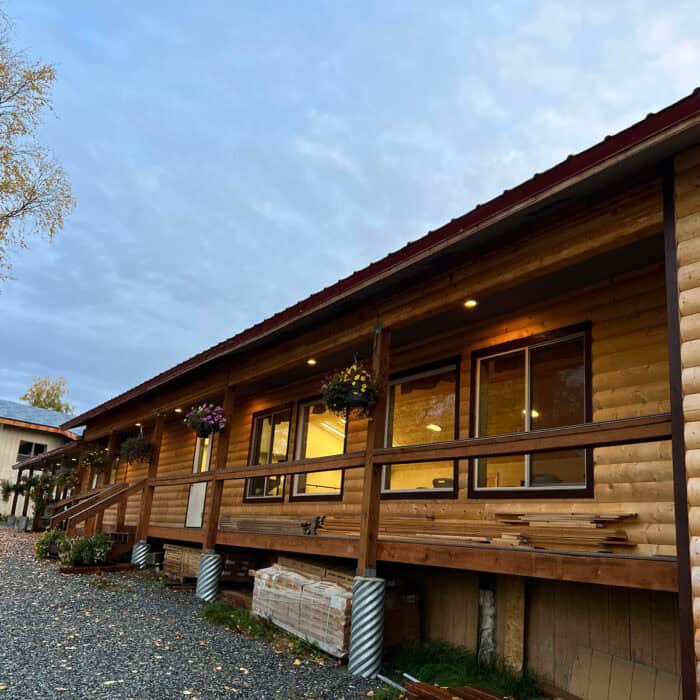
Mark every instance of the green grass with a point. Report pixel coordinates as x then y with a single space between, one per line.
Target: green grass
386 693
244 622
444 664
239 620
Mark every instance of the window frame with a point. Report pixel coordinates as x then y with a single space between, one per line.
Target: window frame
198 443
32 450
258 415
530 342
294 495
424 370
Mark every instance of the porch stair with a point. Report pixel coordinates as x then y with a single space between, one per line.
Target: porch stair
104 500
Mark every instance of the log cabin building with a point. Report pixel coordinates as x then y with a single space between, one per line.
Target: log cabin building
538 435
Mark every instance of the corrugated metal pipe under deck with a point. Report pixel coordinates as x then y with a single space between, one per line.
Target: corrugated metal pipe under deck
210 565
366 626
139 554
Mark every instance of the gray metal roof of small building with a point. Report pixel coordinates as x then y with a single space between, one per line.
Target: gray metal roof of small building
14 410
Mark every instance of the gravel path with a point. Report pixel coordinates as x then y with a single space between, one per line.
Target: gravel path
67 637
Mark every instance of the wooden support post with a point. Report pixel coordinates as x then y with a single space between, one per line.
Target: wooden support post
147 495
211 518
371 485
510 608
16 495
105 477
25 505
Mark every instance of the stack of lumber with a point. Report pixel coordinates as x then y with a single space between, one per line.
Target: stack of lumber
318 611
553 531
424 691
180 562
322 572
268 524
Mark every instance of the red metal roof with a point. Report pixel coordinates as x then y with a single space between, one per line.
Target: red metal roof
574 166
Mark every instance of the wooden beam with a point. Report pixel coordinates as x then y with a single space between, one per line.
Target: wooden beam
350 460
16 495
147 495
634 572
211 518
181 534
106 475
651 573
371 484
25 504
603 434
345 547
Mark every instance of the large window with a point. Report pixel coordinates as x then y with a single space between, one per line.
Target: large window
269 445
202 454
320 433
539 383
27 450
422 409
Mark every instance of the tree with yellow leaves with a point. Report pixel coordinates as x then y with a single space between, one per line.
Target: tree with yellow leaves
35 193
48 393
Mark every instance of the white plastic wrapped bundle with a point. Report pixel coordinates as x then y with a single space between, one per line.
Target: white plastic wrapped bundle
318 611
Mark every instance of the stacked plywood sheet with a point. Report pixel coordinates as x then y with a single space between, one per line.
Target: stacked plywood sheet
551 531
318 611
278 525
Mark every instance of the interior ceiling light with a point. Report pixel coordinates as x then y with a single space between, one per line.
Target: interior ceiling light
138 425
311 361
471 304
434 427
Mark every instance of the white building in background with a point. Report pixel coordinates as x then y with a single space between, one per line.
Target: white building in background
26 431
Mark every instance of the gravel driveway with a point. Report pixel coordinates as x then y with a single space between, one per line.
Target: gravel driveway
66 637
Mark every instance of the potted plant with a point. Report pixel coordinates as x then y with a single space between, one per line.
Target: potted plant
49 543
136 449
205 419
354 388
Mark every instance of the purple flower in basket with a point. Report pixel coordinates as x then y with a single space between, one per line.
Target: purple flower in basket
205 419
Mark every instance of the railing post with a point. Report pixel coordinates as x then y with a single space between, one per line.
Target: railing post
25 505
105 476
371 491
211 519
147 495
16 495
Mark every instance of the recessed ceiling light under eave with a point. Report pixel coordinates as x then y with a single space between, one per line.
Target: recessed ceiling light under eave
471 304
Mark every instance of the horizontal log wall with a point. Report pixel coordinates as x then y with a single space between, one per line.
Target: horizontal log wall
687 211
630 378
630 375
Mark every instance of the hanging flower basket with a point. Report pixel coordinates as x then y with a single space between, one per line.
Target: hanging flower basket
205 419
94 459
136 449
353 389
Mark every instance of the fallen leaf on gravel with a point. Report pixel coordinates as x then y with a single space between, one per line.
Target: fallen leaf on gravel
3 686
297 662
244 670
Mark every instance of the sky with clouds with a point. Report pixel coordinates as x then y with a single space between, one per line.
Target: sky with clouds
228 159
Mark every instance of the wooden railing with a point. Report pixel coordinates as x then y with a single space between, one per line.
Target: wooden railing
109 497
590 435
85 500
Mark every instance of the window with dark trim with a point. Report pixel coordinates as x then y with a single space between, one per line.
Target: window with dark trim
320 433
27 450
422 408
537 383
269 445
